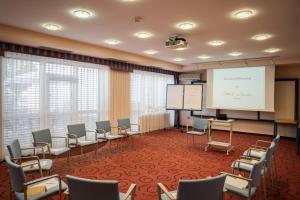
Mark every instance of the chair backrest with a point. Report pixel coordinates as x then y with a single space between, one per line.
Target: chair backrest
201 124
17 177
82 189
14 149
103 126
269 154
42 136
124 123
77 129
206 189
276 139
255 173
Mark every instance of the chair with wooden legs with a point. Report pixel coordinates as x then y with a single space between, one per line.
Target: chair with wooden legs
260 148
44 140
78 133
83 189
245 187
104 131
30 164
126 128
245 165
37 189
205 189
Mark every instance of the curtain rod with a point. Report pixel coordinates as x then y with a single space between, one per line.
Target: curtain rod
244 60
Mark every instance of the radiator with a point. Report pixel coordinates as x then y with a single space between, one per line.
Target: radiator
154 121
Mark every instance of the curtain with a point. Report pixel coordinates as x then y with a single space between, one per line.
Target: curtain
40 92
154 121
120 95
148 94
1 127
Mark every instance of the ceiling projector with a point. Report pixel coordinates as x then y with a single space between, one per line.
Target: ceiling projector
176 42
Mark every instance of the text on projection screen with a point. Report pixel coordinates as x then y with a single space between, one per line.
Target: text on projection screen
239 88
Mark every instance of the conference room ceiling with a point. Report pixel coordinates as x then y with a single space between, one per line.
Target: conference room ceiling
114 19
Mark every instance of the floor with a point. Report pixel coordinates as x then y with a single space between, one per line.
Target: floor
166 157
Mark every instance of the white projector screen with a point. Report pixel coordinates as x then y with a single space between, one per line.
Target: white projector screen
193 97
244 88
174 97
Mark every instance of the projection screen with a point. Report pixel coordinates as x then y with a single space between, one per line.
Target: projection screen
241 88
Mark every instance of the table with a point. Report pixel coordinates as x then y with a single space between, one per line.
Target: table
288 122
283 122
227 146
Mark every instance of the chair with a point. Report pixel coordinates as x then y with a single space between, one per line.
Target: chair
204 189
125 126
245 187
82 189
29 164
246 164
199 128
36 189
78 133
43 139
260 147
103 128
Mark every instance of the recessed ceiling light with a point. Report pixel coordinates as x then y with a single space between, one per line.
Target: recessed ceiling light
112 41
129 0
185 25
143 35
272 50
178 59
216 42
203 57
261 37
244 13
82 13
52 26
150 52
235 53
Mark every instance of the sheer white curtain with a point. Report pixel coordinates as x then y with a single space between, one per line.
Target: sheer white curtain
148 94
40 92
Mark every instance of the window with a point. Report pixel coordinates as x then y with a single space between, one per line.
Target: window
148 94
41 92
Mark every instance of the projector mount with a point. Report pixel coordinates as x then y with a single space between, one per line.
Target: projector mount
176 42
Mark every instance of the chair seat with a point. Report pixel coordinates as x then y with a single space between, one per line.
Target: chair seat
114 137
242 166
196 132
254 153
133 132
241 192
246 167
165 197
110 136
59 150
46 164
238 186
122 196
86 142
52 188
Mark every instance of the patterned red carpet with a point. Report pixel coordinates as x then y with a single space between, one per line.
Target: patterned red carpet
166 157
